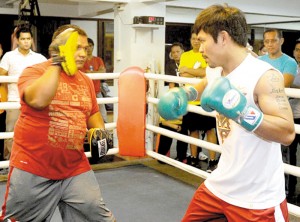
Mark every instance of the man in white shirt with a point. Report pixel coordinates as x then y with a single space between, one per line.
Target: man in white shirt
12 64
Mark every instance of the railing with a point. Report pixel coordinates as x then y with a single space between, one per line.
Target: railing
151 124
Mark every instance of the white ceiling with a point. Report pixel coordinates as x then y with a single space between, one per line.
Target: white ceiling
259 13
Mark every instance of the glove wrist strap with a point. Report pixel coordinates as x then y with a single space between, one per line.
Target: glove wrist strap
251 118
191 92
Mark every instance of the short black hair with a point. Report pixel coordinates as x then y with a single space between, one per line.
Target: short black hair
23 29
90 41
177 44
218 18
278 32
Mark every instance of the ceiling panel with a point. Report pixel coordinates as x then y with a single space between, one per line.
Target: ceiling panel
264 13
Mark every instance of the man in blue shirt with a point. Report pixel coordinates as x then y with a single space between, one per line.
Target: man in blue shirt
273 41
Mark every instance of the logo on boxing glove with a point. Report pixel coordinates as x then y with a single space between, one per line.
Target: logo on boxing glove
231 99
102 147
252 115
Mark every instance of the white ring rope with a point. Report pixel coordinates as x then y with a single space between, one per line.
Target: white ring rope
10 105
180 165
184 138
14 79
8 79
294 93
107 100
171 78
7 135
191 108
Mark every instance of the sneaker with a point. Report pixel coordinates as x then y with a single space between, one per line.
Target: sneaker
212 165
202 156
194 161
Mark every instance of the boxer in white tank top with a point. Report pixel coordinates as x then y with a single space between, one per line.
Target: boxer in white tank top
248 184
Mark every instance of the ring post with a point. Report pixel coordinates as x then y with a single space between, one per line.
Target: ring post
131 123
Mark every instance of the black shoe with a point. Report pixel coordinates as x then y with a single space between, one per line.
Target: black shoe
291 198
194 161
212 165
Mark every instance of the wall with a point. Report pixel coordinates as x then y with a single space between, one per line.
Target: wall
138 46
91 28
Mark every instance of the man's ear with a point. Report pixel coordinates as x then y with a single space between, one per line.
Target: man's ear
222 36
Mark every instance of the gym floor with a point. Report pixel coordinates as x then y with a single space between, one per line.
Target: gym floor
137 190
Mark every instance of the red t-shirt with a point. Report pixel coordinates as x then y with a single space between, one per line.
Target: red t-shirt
95 63
49 142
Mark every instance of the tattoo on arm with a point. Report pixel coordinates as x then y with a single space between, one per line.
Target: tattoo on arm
274 78
281 102
278 92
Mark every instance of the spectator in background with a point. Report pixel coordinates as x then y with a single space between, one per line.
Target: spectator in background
14 39
95 64
171 69
262 50
273 41
12 64
172 65
295 104
193 65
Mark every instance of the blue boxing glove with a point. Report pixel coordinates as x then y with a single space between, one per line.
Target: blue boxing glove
174 103
229 101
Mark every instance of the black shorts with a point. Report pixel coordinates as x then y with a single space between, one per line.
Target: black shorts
193 121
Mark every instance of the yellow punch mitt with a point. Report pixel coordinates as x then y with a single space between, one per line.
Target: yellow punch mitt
100 142
62 51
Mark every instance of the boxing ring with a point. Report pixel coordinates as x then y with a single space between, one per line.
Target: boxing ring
155 81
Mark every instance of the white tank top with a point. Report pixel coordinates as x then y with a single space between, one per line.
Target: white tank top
250 171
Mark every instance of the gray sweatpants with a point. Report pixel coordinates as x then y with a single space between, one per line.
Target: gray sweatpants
34 198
